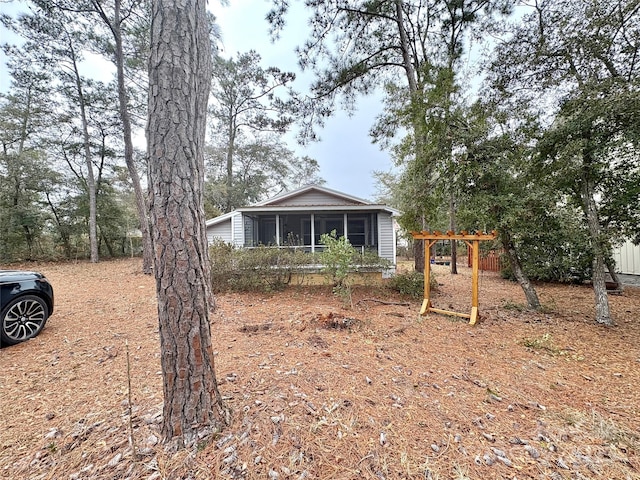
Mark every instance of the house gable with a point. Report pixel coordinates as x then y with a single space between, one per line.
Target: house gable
313 196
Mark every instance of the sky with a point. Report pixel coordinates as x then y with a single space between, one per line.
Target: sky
346 156
345 153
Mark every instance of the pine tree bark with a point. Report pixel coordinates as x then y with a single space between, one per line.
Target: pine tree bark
417 116
418 255
453 225
179 81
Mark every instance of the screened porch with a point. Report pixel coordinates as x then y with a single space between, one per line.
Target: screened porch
304 230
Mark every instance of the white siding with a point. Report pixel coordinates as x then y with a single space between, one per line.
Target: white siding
627 258
220 231
313 198
386 237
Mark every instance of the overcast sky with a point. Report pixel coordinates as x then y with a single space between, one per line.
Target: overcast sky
345 153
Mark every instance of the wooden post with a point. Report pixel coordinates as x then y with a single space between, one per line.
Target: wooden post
473 242
426 304
474 281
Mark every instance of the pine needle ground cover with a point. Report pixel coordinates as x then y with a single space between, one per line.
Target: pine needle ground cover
319 390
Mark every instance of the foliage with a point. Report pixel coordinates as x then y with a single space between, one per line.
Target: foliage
251 108
557 251
58 129
260 269
501 187
268 269
411 283
574 65
337 259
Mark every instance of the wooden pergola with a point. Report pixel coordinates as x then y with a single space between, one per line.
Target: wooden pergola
473 242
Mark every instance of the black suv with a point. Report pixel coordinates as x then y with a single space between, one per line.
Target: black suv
26 302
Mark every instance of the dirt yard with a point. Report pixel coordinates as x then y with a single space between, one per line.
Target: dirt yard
320 391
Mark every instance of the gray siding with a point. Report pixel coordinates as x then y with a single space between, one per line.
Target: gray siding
627 258
229 230
386 237
238 230
220 231
313 198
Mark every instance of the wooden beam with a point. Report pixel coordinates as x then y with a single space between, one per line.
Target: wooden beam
447 312
473 318
474 273
424 235
473 242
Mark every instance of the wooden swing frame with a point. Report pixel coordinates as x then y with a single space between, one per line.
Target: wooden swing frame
473 242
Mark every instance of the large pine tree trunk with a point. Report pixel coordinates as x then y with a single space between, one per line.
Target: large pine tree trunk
603 314
417 118
179 80
533 302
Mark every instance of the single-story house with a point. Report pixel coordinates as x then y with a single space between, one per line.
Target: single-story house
298 219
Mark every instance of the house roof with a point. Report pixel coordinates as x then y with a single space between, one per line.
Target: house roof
310 197
220 218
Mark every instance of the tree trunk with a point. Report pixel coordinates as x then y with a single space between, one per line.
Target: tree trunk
91 183
529 291
179 80
453 226
62 230
230 148
147 245
603 314
418 255
417 117
611 267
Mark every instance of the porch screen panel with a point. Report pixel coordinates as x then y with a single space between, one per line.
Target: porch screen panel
373 230
362 230
267 230
326 223
295 230
357 228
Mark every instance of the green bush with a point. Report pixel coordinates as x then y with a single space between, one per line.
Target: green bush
261 269
337 259
553 258
411 284
269 269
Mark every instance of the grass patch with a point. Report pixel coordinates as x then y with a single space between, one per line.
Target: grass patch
521 307
602 428
544 343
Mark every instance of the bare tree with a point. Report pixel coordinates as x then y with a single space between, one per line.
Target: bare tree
179 81
114 22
